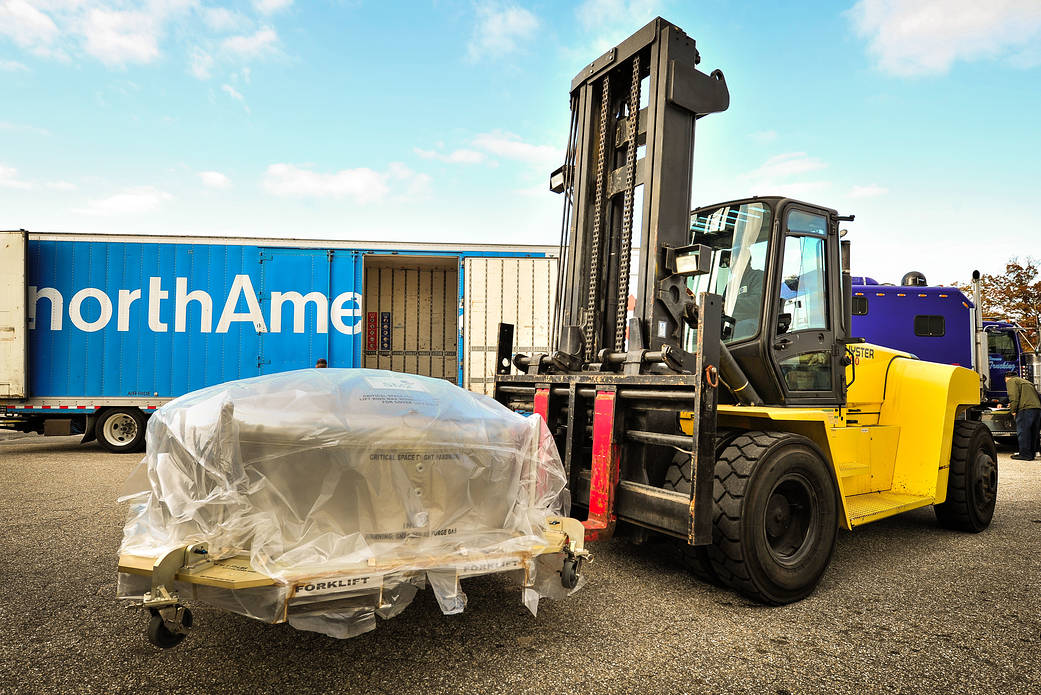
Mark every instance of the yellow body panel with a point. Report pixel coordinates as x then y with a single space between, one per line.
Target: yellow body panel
890 447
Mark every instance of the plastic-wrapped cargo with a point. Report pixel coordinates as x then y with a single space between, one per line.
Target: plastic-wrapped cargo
347 490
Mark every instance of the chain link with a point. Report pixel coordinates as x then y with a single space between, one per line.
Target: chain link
627 208
594 260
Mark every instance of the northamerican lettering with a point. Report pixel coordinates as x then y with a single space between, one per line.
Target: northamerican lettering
343 310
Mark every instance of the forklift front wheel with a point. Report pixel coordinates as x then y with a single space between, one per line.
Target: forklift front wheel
161 635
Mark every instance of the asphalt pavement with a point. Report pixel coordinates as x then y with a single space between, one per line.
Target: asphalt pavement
905 607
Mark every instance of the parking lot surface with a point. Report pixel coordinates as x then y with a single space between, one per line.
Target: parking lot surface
905 607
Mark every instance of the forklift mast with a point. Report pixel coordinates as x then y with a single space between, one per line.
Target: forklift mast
602 178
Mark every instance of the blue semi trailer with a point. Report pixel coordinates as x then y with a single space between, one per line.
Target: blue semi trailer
939 324
97 331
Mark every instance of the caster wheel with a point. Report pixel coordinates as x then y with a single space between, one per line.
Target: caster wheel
569 573
160 635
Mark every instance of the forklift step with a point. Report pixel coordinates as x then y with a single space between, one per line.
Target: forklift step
853 468
878 505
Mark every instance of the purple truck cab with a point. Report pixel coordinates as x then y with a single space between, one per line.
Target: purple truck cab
938 324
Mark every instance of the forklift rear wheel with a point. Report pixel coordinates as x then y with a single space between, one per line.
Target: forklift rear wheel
972 481
163 637
121 430
775 517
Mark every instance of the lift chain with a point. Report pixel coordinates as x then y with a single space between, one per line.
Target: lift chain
627 209
594 260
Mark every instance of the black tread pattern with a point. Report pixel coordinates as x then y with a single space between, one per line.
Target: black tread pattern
734 467
678 474
956 512
693 558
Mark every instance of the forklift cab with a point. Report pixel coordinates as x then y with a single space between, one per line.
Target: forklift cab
778 265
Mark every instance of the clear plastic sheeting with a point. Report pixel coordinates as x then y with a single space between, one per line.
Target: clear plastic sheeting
351 489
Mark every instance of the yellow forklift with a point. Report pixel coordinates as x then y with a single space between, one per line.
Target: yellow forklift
728 406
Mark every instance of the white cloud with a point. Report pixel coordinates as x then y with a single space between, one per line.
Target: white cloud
121 32
869 191
116 37
783 174
763 136
214 179
263 42
511 146
922 37
12 66
7 125
786 165
236 95
271 6
611 21
461 156
128 202
221 19
27 26
201 63
362 185
9 179
500 29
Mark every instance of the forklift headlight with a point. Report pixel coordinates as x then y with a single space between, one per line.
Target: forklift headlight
695 259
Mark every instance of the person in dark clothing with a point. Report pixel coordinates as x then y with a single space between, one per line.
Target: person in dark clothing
321 363
1025 405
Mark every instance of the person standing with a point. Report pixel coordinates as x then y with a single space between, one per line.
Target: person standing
1025 405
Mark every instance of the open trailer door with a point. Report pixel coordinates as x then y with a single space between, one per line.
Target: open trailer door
14 377
520 291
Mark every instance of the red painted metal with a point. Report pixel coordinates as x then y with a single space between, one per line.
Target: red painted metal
604 474
542 402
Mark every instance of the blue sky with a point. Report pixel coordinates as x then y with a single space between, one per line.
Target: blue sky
440 120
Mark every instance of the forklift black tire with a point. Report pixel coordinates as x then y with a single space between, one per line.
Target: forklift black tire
972 481
694 558
775 516
159 635
121 430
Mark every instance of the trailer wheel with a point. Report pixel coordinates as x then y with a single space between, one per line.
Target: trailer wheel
972 482
160 635
121 430
775 516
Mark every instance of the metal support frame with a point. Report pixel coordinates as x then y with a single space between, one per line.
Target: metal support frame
703 453
613 370
604 473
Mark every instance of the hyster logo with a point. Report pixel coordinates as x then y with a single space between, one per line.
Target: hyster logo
344 311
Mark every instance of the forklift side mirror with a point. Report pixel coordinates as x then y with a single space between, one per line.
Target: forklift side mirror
784 322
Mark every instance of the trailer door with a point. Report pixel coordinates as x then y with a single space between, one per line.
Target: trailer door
13 342
521 291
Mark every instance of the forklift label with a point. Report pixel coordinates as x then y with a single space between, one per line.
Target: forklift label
863 353
337 586
489 566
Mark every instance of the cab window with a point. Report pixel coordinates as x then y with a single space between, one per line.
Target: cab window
738 236
803 299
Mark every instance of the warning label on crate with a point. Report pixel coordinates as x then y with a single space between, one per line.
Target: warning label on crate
371 330
385 328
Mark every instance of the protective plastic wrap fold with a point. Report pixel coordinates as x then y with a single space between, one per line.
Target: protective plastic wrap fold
351 489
